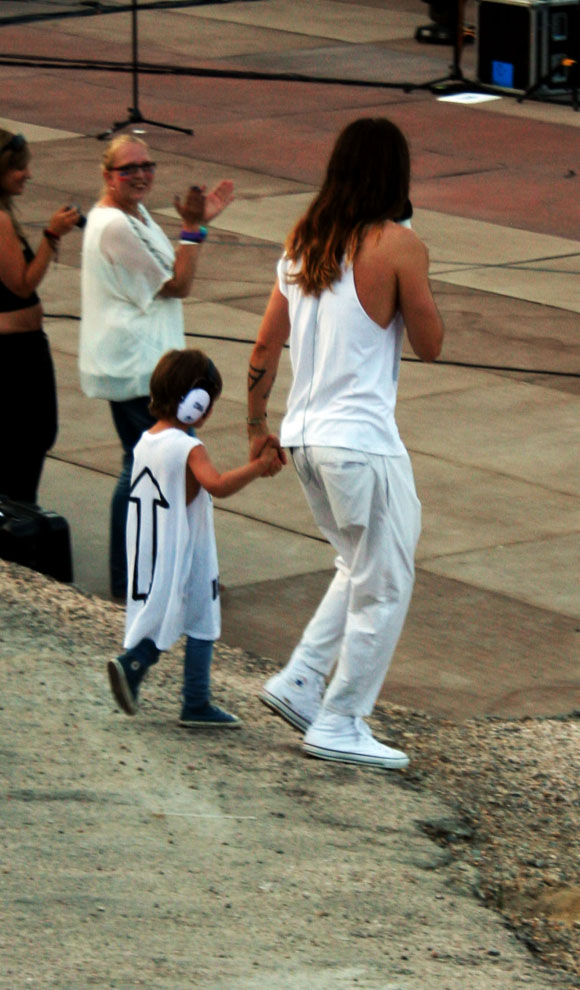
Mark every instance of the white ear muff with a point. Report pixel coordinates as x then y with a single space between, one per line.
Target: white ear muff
193 406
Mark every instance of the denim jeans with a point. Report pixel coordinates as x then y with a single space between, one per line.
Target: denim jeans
131 419
196 672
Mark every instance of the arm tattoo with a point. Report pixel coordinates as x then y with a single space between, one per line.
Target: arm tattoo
255 376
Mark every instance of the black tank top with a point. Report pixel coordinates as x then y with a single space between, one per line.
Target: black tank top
9 302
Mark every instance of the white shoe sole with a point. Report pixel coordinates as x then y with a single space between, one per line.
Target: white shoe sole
341 756
121 691
294 718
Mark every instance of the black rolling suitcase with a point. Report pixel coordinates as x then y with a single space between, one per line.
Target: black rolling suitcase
36 538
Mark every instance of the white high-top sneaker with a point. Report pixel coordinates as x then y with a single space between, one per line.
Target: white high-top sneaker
295 696
348 739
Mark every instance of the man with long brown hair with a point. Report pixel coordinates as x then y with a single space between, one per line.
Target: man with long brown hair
350 281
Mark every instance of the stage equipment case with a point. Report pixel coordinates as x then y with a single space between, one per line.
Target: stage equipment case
35 537
521 42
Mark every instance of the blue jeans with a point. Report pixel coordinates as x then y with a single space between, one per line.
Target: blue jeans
131 419
196 668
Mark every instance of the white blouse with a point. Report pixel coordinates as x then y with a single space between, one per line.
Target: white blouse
125 325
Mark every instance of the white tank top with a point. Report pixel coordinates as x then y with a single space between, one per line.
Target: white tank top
173 578
345 370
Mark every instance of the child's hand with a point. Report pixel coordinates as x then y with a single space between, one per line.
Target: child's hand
257 445
270 461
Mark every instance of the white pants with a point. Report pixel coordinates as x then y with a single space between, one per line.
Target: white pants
367 507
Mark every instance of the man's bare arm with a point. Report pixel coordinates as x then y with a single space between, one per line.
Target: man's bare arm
422 320
265 357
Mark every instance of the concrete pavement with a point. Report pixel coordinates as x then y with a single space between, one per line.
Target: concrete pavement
492 428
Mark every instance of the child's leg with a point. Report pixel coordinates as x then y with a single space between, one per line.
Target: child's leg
127 672
197 709
196 672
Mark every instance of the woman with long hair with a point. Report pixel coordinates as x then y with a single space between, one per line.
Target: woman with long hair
133 281
28 405
351 279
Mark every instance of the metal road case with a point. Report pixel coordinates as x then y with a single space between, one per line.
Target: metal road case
521 42
35 537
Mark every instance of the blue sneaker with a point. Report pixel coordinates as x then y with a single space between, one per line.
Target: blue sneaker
125 676
208 717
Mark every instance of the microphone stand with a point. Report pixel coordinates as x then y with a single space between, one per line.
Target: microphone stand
135 115
455 80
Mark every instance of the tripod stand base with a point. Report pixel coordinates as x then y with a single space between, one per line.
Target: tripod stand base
446 85
548 81
446 34
136 117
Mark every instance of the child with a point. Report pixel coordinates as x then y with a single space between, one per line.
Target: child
173 580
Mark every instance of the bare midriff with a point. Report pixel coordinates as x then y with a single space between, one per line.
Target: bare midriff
22 320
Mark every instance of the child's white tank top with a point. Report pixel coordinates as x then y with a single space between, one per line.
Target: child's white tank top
173 578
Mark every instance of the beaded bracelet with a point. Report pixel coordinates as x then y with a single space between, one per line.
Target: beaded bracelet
256 420
193 237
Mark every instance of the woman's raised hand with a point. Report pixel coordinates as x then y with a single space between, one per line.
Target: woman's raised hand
192 210
218 199
201 208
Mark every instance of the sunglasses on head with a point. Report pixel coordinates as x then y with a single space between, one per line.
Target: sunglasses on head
147 167
16 143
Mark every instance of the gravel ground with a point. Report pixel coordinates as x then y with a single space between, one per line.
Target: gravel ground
514 786
496 801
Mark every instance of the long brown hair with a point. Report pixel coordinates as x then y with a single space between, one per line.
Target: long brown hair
11 159
366 182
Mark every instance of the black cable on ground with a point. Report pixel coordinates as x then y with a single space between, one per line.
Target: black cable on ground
414 360
34 61
443 363
100 7
46 62
234 512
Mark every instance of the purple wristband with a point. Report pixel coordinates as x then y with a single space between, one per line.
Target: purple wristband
193 237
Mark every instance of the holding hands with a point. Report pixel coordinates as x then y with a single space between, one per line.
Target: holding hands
267 449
